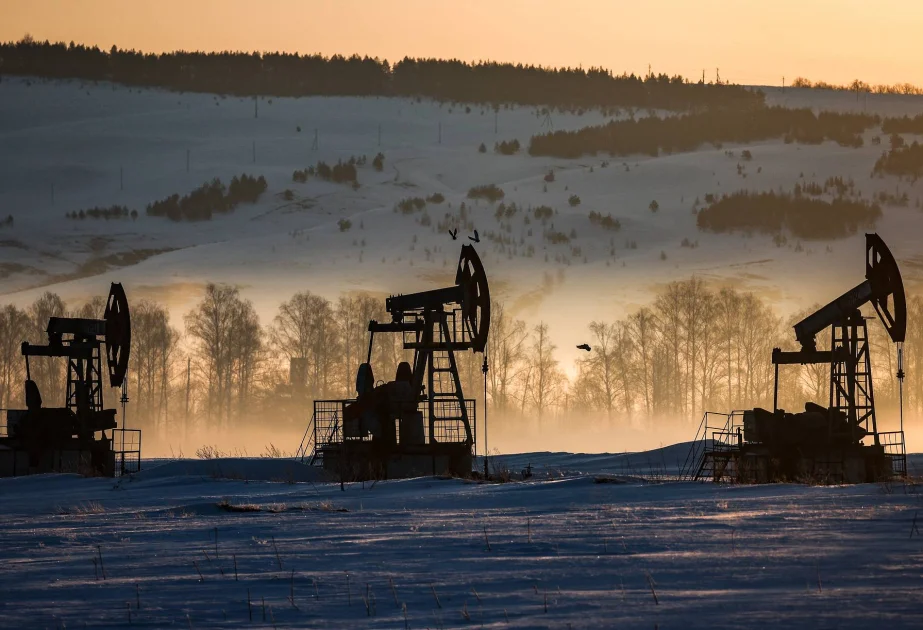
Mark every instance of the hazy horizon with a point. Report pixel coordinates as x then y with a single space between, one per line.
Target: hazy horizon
821 40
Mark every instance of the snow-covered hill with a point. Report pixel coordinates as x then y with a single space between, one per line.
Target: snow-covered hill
66 146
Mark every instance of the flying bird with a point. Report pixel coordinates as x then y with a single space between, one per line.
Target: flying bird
584 346
454 234
475 238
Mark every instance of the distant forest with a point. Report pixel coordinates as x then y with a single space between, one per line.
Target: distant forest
670 134
282 74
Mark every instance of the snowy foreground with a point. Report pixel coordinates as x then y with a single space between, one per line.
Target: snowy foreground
559 551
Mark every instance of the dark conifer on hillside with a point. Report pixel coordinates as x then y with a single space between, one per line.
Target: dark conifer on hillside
803 217
687 132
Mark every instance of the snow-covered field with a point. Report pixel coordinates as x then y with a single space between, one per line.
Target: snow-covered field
560 551
66 146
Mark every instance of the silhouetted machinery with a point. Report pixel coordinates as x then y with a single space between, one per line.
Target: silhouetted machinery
420 422
73 438
840 442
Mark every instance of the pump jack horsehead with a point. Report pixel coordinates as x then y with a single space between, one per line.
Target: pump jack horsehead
73 438
420 422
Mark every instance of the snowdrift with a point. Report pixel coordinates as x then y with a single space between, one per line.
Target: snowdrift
239 468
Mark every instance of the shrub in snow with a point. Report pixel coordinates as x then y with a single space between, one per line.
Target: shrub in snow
491 192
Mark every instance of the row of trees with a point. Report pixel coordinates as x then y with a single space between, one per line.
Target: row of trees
802 216
691 349
654 135
858 87
283 74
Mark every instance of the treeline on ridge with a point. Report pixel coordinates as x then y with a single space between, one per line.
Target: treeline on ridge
655 135
283 74
803 216
208 199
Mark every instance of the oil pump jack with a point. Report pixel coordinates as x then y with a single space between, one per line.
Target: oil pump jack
73 438
420 422
840 442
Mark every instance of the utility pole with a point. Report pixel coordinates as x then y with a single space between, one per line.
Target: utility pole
484 370
124 401
188 370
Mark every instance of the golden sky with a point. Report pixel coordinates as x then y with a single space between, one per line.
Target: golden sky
751 41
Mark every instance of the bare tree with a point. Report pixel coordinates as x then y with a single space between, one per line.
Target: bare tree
47 372
226 341
14 328
543 386
913 354
758 335
353 313
153 351
600 369
669 308
694 311
95 308
506 351
642 329
305 328
245 356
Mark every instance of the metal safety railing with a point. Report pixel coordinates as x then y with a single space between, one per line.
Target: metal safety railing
895 451
325 428
718 435
126 448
